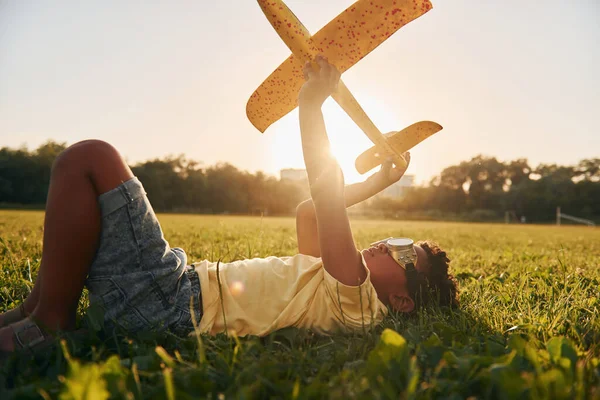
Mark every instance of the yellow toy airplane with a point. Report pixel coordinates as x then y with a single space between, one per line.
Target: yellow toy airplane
344 41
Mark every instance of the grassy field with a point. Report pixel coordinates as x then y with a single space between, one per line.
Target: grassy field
528 325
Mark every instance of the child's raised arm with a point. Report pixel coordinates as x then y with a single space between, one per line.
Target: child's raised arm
338 251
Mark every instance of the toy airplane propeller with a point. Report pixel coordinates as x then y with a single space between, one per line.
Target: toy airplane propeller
344 41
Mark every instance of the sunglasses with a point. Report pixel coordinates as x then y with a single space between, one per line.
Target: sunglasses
402 250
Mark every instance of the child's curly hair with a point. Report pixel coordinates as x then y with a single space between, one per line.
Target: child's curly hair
436 287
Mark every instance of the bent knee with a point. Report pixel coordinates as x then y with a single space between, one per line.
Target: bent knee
82 155
96 160
93 149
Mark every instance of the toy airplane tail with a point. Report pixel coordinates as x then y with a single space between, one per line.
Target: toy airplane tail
400 141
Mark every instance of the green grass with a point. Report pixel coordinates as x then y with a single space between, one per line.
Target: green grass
528 325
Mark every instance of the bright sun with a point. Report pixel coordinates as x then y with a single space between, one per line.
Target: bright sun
346 145
347 140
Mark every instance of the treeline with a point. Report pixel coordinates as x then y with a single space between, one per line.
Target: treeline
482 188
176 184
173 184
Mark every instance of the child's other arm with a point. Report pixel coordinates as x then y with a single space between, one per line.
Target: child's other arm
306 218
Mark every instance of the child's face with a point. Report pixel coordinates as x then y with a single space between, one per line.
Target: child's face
389 278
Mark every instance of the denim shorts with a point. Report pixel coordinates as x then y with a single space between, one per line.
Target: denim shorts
136 278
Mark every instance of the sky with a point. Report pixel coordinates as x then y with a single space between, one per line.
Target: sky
508 79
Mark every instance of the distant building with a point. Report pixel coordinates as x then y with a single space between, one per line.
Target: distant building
398 189
293 174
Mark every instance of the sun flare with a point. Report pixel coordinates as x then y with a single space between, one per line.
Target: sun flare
346 138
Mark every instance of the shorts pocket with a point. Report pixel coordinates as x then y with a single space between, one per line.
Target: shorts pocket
118 250
132 321
182 324
152 246
106 293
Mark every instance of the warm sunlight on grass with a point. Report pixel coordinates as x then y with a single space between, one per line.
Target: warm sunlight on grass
528 325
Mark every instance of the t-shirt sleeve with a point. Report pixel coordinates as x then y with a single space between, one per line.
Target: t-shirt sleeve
354 307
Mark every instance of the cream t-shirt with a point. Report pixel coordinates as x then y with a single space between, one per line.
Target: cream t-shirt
262 295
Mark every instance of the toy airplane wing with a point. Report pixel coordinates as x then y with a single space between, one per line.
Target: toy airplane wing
277 95
344 41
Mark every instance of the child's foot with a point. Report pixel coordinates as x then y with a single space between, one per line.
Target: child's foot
12 316
24 334
6 340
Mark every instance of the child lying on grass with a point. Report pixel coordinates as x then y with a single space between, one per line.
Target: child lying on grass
100 231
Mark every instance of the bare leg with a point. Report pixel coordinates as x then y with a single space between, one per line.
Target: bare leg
71 231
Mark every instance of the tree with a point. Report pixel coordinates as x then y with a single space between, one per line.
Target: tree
588 169
24 175
478 188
